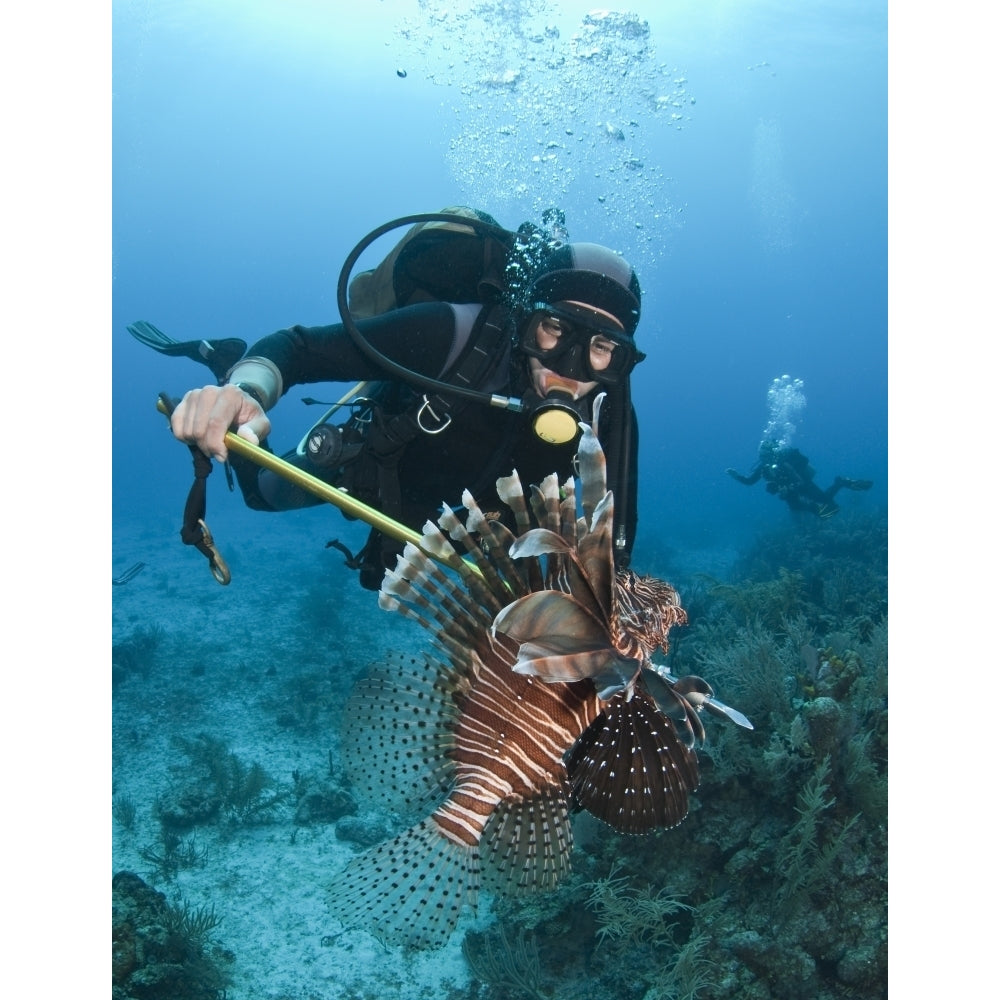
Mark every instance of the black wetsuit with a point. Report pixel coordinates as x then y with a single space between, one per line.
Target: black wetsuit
481 443
788 475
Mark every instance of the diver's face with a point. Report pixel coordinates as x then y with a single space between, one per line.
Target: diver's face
551 330
580 342
574 347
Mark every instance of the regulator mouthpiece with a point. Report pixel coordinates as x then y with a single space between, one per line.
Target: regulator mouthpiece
556 419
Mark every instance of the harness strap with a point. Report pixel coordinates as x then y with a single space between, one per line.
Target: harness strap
388 437
433 414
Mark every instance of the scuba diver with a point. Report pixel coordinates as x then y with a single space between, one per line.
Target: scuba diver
440 370
788 475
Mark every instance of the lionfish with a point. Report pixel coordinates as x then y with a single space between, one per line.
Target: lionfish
540 697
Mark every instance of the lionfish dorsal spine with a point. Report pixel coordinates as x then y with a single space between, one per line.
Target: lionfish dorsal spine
418 569
546 503
510 490
458 532
498 538
591 465
415 597
567 512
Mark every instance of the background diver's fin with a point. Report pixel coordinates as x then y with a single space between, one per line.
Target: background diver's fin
218 355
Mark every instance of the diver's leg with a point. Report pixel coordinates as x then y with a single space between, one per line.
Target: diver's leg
843 483
821 508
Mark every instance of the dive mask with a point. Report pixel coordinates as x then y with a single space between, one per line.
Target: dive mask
586 347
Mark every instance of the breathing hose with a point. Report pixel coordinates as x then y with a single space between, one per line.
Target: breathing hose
400 372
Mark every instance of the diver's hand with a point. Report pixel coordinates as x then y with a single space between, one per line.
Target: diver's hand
204 416
733 473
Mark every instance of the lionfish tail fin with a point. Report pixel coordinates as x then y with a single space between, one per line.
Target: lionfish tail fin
375 892
527 843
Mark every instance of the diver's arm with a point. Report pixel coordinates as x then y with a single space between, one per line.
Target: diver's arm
755 474
418 338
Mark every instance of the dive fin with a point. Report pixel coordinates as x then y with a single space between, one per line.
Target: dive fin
218 355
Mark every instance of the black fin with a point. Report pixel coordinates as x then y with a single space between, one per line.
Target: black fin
218 355
631 769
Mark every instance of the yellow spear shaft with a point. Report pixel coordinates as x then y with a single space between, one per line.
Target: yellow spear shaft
351 506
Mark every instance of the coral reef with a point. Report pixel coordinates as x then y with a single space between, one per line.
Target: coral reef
776 884
136 654
123 810
510 966
774 887
160 951
222 786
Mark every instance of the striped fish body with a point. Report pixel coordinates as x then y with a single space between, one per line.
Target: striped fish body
537 693
481 749
511 737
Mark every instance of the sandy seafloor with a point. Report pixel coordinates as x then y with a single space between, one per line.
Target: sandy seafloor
229 665
227 662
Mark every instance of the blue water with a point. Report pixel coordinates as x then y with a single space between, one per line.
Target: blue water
255 144
736 154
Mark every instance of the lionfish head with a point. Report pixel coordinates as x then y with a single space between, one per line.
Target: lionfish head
586 620
644 610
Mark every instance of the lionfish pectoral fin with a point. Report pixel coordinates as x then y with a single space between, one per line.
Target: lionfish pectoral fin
695 690
631 769
540 542
427 694
618 676
552 618
587 578
375 892
716 707
609 671
675 706
561 641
